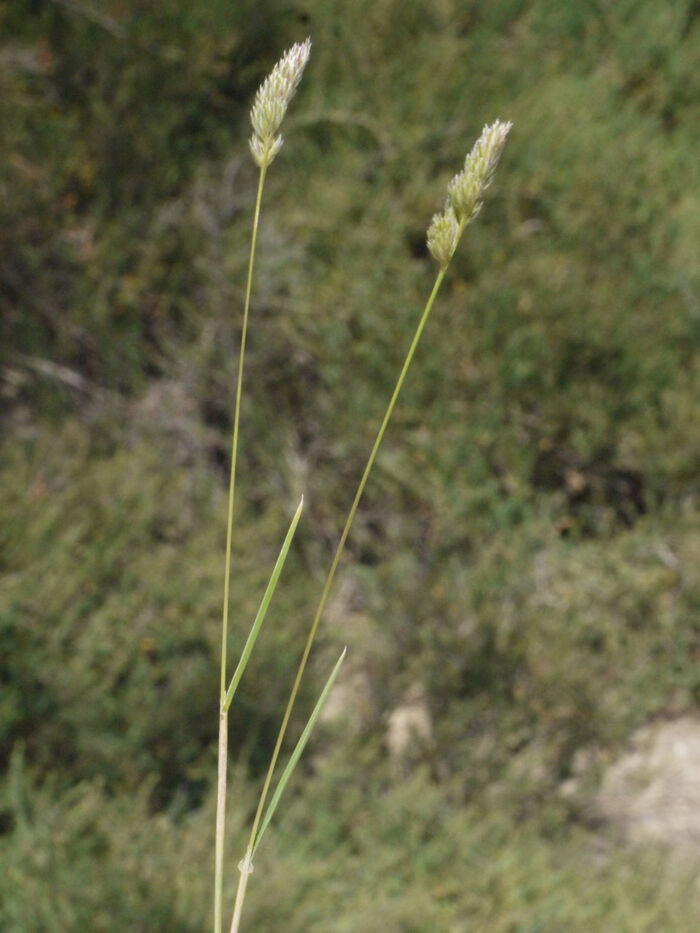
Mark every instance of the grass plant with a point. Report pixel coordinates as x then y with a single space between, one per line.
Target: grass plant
527 547
464 201
268 111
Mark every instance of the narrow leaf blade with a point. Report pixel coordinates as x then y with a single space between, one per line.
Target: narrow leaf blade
296 754
259 618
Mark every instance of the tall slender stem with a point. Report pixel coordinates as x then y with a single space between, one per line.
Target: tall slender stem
223 715
245 868
220 820
234 443
329 581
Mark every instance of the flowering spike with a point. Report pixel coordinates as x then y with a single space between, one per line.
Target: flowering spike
466 189
272 100
465 192
443 235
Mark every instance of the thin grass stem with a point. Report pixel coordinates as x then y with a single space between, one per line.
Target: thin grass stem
234 443
329 582
223 713
246 869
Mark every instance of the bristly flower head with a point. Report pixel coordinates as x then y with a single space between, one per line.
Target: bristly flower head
443 236
272 100
466 190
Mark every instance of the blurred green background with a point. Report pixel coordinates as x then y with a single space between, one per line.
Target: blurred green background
524 573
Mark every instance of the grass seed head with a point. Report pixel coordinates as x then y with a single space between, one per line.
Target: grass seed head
443 235
465 192
272 100
466 189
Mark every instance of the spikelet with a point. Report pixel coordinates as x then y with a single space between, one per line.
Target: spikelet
466 190
443 236
272 100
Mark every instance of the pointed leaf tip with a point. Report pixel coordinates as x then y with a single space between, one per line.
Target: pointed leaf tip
296 754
